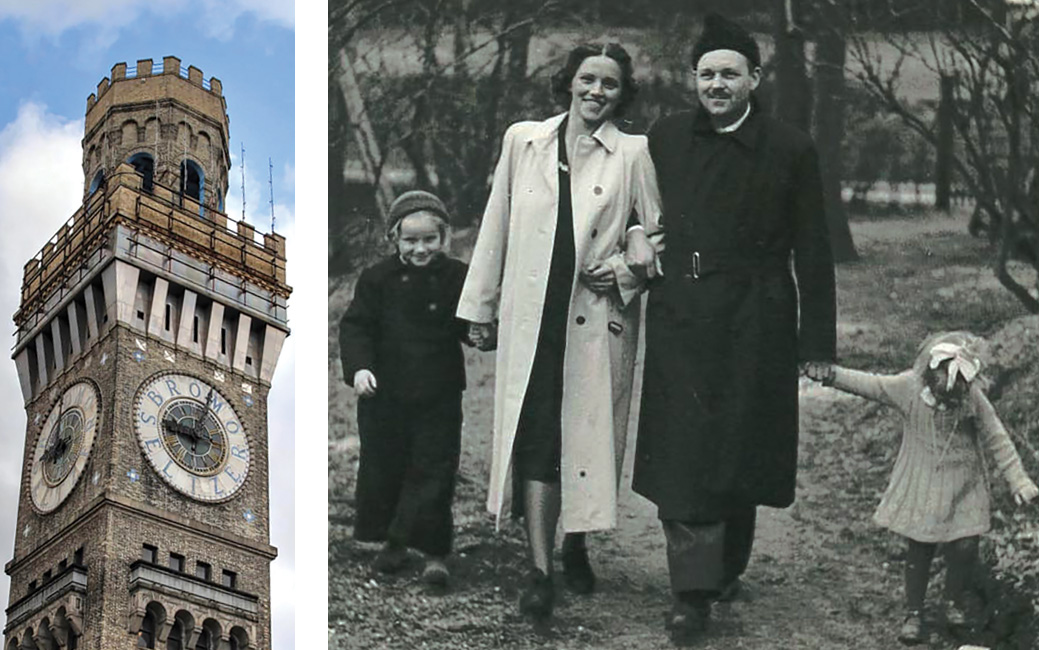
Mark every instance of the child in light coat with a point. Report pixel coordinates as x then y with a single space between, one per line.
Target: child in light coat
939 491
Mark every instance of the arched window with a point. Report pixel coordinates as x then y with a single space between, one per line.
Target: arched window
144 165
146 635
175 641
205 641
239 640
192 180
99 178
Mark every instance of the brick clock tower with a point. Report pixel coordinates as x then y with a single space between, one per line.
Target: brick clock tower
147 336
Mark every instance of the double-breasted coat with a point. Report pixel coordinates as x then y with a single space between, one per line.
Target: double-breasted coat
747 292
611 176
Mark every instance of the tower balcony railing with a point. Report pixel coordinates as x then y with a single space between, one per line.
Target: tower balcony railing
73 578
163 213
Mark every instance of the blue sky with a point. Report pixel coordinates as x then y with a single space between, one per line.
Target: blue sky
54 52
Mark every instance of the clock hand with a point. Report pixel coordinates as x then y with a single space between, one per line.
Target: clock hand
200 426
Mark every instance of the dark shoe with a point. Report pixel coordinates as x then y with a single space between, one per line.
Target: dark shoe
687 622
577 571
391 558
730 592
435 573
539 597
912 632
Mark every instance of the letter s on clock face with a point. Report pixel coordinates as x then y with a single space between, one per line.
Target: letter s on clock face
63 446
191 436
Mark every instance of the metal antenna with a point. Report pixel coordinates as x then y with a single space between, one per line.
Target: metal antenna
243 181
270 181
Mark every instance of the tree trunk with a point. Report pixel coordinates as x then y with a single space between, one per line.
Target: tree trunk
944 151
829 127
793 93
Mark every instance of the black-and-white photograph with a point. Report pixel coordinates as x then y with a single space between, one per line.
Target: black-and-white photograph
670 323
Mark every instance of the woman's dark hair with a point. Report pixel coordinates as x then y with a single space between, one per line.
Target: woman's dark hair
562 78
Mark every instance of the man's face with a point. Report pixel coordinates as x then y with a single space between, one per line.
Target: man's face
724 82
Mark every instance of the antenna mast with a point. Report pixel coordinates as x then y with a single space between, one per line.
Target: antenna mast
270 182
243 181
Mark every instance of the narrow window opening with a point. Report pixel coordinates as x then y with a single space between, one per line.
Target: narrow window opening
149 553
177 562
194 330
248 360
169 313
223 340
203 571
77 559
230 579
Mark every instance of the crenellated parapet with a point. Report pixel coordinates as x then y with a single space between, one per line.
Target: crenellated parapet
166 117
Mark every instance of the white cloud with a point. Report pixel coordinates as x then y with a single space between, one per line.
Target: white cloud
50 18
41 185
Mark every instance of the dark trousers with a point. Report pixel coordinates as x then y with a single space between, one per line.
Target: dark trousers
406 479
706 556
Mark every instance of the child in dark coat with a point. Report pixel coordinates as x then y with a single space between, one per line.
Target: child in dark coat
401 351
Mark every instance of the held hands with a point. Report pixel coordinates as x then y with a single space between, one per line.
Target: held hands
598 277
820 371
484 336
364 383
1025 493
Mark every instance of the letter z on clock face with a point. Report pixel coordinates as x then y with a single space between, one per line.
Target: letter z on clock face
191 436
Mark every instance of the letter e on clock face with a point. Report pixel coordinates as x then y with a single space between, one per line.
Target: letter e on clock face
191 436
63 446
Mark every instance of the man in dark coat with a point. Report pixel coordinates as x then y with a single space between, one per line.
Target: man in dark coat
746 297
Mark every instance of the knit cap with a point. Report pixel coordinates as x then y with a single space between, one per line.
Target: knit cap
415 201
720 33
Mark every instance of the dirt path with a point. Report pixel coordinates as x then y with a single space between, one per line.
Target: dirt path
822 576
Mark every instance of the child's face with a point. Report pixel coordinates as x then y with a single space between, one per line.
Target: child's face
420 240
937 380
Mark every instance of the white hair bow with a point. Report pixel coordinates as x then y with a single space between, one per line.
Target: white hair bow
961 361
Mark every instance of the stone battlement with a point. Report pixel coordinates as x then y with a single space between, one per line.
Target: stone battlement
148 82
164 215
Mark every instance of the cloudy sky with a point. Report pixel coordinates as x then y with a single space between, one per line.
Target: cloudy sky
54 52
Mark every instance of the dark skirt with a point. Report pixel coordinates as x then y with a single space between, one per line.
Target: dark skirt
537 446
406 479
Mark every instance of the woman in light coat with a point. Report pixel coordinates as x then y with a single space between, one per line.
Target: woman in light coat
549 271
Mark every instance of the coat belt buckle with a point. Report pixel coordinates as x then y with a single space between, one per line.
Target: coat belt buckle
696 265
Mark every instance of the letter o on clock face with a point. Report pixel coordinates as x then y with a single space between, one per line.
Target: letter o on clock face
191 436
63 446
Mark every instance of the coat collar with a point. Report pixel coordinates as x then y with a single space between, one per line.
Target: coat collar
747 134
545 133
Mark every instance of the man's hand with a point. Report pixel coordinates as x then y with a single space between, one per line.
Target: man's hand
598 277
484 336
364 383
1025 493
820 371
639 254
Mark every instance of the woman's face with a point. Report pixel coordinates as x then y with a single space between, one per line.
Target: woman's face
595 89
937 379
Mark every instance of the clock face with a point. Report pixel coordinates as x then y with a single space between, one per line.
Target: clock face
63 446
191 436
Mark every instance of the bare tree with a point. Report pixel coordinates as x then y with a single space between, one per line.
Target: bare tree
992 61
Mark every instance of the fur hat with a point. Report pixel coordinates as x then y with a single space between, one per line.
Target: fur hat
412 202
720 33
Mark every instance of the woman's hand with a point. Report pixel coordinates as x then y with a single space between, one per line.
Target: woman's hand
639 254
1025 493
818 371
364 383
599 277
484 336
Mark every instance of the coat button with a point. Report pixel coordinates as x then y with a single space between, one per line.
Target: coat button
432 306
594 232
580 320
405 278
597 189
583 473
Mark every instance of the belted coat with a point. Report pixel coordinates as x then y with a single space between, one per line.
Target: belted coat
747 292
611 176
